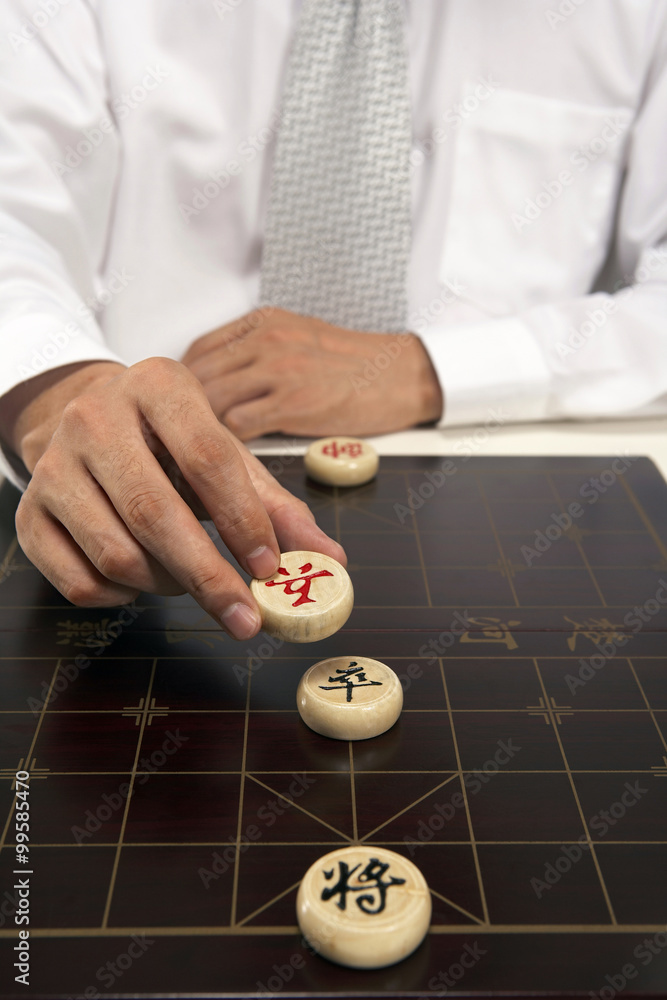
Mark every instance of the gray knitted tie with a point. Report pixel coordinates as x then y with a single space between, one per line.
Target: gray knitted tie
337 236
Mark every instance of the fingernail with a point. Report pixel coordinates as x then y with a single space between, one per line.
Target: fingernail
241 621
262 562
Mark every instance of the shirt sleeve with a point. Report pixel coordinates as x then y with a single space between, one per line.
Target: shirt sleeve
602 355
59 163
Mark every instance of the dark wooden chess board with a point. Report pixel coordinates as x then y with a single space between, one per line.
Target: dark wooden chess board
527 776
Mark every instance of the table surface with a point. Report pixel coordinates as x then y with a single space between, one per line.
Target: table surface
177 798
613 437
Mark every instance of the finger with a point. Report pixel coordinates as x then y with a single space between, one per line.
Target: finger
57 556
160 520
256 417
293 521
224 358
207 456
92 521
130 475
296 531
208 344
238 329
164 525
236 388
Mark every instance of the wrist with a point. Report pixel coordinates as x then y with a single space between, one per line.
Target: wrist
32 411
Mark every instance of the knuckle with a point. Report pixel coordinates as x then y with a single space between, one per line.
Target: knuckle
208 456
300 508
82 592
158 373
46 474
242 519
294 508
235 422
145 511
277 333
79 412
28 518
23 517
117 563
202 582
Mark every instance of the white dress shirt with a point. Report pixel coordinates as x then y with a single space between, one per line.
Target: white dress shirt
136 140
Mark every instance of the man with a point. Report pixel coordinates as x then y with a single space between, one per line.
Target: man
136 196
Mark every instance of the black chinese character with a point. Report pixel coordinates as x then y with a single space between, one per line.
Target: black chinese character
348 678
371 877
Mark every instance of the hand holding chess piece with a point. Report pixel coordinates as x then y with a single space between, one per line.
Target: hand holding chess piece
309 598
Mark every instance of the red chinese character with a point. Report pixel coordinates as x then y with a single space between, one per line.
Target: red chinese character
352 448
304 589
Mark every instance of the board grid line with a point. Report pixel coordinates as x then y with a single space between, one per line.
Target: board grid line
126 808
300 808
549 708
648 705
31 749
641 667
239 823
464 791
289 930
427 589
634 499
353 794
577 541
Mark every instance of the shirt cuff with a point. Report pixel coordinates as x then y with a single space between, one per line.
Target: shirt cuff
489 370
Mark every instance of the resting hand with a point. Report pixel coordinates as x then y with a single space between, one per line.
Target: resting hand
274 370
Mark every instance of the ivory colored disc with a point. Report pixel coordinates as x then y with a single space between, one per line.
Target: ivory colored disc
364 906
349 697
341 461
309 598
